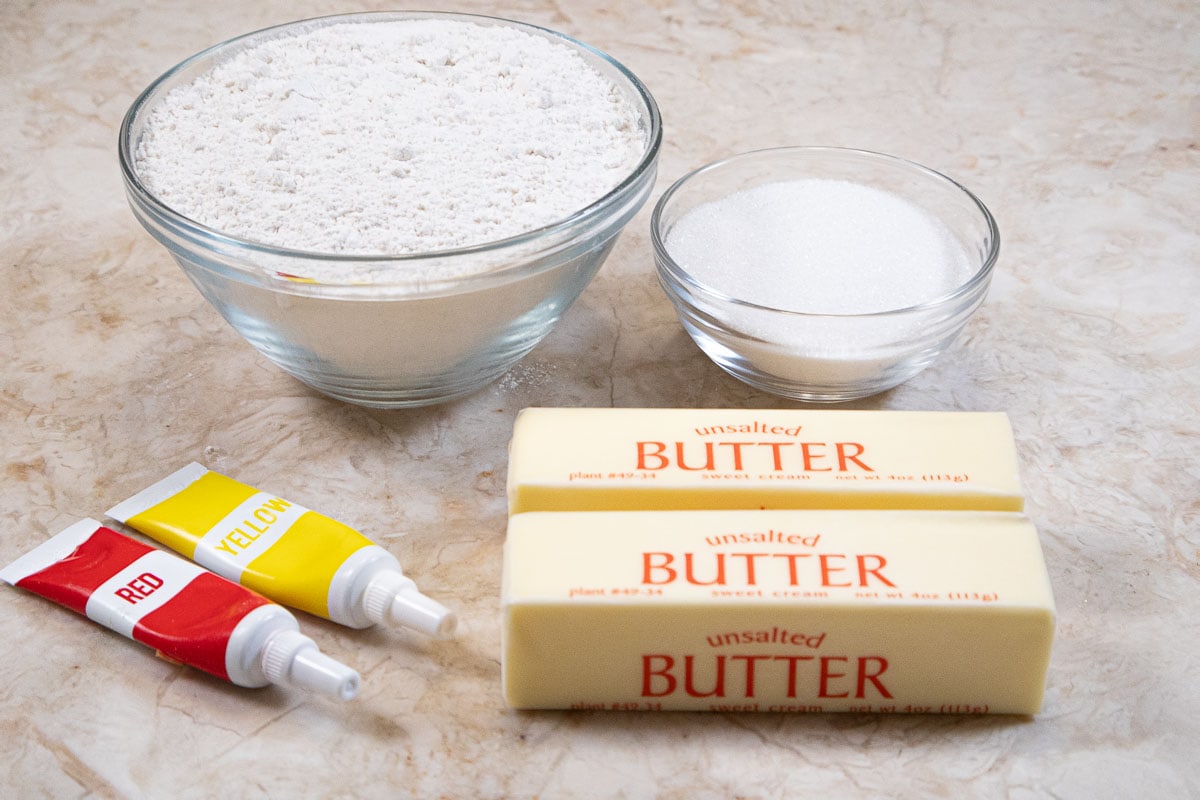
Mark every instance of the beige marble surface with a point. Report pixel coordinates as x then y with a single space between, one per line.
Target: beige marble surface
1077 122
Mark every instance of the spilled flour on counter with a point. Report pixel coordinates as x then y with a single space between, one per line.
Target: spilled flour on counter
392 137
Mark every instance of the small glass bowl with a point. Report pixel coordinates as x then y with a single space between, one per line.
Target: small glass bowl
410 338
824 357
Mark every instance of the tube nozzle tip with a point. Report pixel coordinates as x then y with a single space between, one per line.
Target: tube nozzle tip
414 610
395 599
293 658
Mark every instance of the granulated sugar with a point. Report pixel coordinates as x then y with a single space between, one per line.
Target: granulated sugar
819 246
395 137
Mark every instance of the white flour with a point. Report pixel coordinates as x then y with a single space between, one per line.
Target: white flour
394 137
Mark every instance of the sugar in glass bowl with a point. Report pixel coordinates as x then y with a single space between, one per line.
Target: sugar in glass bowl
822 274
403 329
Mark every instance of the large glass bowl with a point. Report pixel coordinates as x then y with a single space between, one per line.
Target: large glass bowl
824 357
406 339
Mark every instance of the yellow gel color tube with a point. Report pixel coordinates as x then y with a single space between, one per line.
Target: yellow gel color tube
282 550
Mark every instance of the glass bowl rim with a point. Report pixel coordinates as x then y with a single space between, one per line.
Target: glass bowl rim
672 274
212 238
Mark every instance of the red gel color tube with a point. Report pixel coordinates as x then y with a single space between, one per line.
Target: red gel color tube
180 609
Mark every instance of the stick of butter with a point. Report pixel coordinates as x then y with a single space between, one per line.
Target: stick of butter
593 459
798 611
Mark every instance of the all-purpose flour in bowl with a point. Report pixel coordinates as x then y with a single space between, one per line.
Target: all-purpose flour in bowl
394 207
397 137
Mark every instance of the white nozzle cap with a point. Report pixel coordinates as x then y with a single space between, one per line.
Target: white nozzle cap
291 657
393 598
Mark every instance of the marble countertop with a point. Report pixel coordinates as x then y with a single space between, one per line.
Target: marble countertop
1076 122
